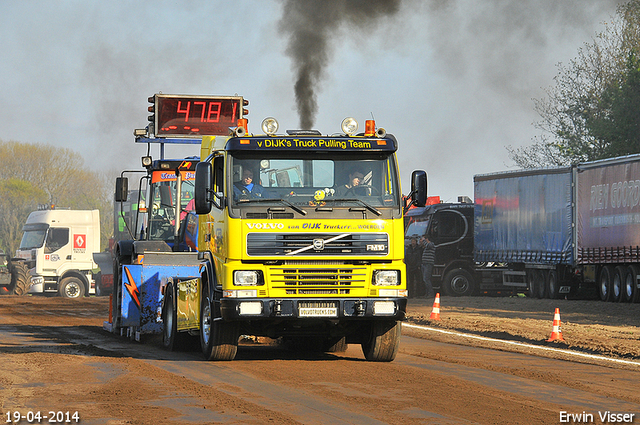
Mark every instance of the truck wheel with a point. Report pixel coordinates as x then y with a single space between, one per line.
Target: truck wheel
172 340
333 346
553 287
71 287
20 279
629 288
617 284
382 343
459 282
218 340
604 283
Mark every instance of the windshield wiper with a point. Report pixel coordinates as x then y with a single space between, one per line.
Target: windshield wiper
360 201
282 201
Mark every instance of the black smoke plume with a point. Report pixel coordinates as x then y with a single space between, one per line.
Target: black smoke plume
312 26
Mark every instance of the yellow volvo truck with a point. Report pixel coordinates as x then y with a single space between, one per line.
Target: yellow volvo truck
301 238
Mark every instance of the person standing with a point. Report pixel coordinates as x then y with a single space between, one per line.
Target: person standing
413 259
428 258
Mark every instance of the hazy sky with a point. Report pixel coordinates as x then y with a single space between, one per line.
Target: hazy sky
453 80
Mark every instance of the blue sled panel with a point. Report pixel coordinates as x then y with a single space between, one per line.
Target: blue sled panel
141 294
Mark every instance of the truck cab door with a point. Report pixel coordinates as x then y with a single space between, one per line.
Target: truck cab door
57 249
448 230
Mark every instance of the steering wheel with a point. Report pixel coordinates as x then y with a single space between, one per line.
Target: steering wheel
362 188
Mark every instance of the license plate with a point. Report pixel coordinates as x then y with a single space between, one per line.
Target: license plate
318 312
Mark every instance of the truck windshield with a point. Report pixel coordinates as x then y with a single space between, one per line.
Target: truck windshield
162 203
417 227
340 181
33 238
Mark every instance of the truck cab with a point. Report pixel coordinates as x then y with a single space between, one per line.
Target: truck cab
450 227
58 246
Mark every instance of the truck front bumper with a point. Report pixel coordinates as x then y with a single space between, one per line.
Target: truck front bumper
316 308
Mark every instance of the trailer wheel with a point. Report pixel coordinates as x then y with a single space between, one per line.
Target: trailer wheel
218 339
604 283
459 282
382 343
633 271
553 286
172 340
541 284
531 283
628 284
20 279
536 283
617 284
71 287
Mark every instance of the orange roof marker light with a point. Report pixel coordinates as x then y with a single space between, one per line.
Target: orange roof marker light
369 128
244 123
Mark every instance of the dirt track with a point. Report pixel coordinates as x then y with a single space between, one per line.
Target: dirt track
56 357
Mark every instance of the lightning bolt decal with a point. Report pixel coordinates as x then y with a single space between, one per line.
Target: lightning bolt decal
131 286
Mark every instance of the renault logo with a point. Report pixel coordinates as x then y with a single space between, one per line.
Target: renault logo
318 244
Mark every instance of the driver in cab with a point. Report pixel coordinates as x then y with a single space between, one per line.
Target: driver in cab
355 179
246 188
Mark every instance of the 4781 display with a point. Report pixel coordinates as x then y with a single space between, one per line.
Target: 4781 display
39 417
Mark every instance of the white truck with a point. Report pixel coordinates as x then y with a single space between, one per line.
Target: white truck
58 246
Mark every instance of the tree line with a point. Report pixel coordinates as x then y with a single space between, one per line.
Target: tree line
38 174
593 109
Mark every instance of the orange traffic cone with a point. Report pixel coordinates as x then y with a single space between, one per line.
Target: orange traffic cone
556 334
435 313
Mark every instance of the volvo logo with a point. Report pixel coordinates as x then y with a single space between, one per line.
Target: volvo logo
318 244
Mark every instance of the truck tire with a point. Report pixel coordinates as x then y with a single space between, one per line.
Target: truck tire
71 287
172 340
459 282
617 284
218 339
635 270
629 284
536 282
20 279
333 346
541 284
381 345
604 283
553 286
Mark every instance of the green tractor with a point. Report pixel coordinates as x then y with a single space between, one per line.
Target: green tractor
14 276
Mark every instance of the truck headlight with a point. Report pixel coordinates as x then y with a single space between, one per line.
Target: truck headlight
386 278
247 277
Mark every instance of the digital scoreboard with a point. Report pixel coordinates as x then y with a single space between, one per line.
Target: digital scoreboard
195 116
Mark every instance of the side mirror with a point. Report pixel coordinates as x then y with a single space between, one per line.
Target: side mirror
122 189
203 188
419 188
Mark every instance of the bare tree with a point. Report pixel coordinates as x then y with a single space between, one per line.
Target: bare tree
35 174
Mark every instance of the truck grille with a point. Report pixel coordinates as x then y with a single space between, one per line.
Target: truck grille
309 280
317 244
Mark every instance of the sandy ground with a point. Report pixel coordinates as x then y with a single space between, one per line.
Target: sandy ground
57 358
595 327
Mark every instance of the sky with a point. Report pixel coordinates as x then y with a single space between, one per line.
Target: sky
453 80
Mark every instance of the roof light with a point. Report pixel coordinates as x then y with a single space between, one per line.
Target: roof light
349 126
270 126
244 123
369 128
